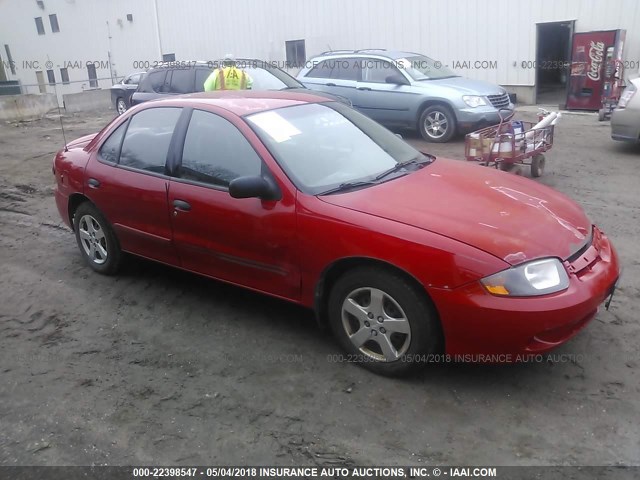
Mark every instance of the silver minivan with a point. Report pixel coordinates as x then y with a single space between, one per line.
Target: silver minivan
403 89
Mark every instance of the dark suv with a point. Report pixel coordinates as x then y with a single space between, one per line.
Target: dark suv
178 78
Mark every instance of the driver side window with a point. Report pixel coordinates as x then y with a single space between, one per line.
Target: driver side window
216 152
377 71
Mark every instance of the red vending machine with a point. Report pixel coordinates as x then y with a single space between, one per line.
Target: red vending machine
589 54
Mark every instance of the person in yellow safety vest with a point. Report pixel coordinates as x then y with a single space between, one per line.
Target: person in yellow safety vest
228 77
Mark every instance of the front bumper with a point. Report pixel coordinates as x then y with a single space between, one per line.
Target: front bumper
478 323
469 119
625 125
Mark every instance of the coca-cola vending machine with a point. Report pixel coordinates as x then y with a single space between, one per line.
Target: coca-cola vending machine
589 55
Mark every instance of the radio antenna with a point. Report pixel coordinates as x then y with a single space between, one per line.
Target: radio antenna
64 137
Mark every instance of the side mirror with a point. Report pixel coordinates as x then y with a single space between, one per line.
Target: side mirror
396 79
254 187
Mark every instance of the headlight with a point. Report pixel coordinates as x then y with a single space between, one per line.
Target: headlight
474 100
539 277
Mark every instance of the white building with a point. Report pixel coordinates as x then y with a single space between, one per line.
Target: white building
43 42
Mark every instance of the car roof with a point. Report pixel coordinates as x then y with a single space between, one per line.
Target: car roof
178 65
380 52
242 102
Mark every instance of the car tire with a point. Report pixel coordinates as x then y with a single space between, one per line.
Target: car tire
96 239
121 106
383 322
437 124
537 165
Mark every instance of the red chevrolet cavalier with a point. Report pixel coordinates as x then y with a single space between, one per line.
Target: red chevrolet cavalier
302 198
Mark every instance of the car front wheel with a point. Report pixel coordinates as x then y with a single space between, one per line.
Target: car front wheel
96 240
383 322
121 106
437 124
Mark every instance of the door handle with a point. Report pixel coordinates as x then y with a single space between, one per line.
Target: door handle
181 205
364 88
330 84
93 183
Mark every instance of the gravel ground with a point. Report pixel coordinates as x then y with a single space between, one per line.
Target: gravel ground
157 366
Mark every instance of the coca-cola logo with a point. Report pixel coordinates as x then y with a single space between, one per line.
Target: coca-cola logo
596 55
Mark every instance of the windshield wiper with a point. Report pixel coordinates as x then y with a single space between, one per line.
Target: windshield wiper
399 166
348 186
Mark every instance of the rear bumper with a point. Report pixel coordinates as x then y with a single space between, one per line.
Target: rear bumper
477 323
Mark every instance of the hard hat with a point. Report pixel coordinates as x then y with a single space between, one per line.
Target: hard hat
229 57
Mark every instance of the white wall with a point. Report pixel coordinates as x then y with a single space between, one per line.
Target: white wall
500 30
496 30
83 37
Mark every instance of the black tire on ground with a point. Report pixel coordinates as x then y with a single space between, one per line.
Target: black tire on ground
602 115
96 239
121 106
437 124
395 324
537 165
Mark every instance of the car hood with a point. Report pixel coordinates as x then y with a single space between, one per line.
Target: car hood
511 217
465 86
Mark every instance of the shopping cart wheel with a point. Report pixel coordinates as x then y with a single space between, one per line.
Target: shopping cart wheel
537 165
602 115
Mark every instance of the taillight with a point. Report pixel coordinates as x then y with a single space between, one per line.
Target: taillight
628 93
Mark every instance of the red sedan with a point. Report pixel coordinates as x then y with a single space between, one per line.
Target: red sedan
293 195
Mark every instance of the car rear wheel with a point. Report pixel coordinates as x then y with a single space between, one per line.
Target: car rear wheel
96 239
437 124
121 106
383 322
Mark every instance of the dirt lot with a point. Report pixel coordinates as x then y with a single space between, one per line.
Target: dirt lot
157 366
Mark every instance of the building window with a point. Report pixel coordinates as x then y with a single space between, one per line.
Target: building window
12 65
51 77
169 57
53 20
41 85
40 25
296 54
64 74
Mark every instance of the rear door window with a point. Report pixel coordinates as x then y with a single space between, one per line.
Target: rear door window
346 69
322 70
147 140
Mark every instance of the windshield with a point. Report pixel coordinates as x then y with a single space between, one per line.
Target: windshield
323 146
267 78
424 68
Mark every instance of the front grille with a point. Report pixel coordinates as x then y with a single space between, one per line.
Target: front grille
499 101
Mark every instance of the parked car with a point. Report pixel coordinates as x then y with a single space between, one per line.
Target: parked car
121 92
308 200
176 79
625 119
403 89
